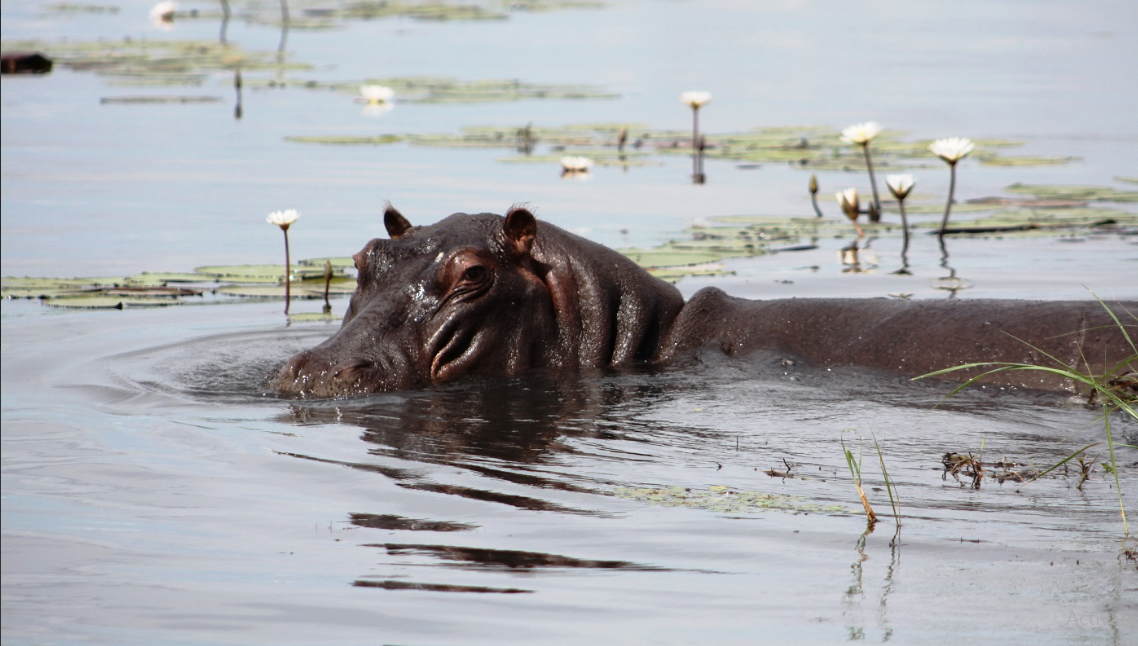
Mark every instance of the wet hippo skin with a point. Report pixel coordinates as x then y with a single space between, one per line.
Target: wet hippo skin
493 295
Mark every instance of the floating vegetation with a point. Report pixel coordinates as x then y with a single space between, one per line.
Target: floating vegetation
426 89
347 141
1043 221
724 500
320 16
1024 160
816 148
65 7
160 99
212 284
1075 192
171 61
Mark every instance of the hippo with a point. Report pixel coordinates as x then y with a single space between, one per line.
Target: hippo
487 294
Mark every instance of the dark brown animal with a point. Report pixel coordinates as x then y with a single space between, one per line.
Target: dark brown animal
493 295
24 63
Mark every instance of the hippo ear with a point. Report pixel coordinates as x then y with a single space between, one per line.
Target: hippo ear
396 224
520 229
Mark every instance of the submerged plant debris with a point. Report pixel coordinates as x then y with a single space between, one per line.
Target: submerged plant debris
724 500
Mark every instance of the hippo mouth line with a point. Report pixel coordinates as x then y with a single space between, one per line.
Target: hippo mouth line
448 360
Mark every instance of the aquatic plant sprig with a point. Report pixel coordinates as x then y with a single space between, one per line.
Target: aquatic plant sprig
1101 387
951 150
890 486
900 186
284 219
814 194
862 134
696 100
854 465
851 206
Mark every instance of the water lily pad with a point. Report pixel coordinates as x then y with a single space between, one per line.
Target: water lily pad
163 278
37 292
160 99
306 290
959 207
32 282
669 257
673 274
313 317
1024 160
66 7
1075 192
134 58
724 500
260 273
338 262
102 302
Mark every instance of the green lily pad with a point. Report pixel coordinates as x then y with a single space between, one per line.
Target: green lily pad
673 274
1128 180
959 207
313 317
102 302
724 500
650 258
161 278
1075 192
66 7
260 273
268 291
160 99
1025 160
38 292
338 262
136 58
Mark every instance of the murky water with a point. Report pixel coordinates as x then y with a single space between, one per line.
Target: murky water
152 493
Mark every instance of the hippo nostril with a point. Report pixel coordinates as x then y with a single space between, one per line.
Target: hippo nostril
350 370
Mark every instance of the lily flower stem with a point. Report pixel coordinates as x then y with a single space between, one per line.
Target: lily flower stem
695 128
814 201
904 228
948 204
872 180
288 273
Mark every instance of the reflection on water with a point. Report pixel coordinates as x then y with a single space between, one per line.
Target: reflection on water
490 559
467 488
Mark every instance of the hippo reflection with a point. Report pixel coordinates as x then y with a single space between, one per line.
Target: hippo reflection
493 295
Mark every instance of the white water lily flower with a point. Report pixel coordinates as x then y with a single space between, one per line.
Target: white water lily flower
900 185
849 202
861 133
952 149
576 164
695 99
283 218
163 11
376 93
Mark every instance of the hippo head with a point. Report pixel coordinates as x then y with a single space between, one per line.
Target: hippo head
432 304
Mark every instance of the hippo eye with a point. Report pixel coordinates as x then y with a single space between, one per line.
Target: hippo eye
475 274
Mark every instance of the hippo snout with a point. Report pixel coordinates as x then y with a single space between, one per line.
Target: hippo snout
312 374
